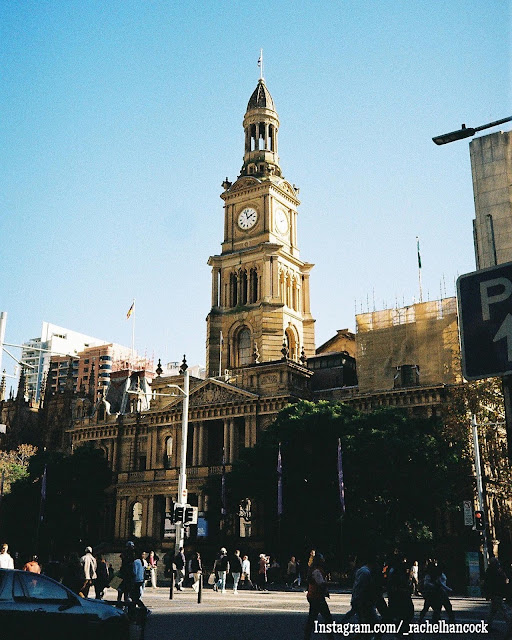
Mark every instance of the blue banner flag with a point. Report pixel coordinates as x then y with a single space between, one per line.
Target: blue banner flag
279 483
223 510
340 478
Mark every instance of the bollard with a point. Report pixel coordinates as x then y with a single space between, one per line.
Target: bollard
200 590
171 588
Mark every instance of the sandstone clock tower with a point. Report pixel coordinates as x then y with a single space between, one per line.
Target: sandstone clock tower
260 287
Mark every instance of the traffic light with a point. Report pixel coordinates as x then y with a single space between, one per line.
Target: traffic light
179 512
479 521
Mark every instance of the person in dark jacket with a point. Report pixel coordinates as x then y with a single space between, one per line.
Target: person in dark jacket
221 568
196 570
74 574
102 577
496 583
126 572
236 569
180 563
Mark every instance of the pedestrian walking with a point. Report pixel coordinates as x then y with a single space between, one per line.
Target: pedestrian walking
431 592
102 577
246 572
138 584
89 564
32 565
236 569
73 575
126 573
180 563
196 570
316 596
400 606
364 593
291 571
262 572
152 565
496 585
414 578
6 561
221 568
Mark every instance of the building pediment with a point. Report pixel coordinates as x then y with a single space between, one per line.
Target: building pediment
245 183
215 392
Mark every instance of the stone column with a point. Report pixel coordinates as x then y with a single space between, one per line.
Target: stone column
150 506
195 448
226 440
231 440
200 452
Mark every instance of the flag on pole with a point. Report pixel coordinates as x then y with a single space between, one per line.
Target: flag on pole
341 484
43 495
223 509
419 257
279 483
130 310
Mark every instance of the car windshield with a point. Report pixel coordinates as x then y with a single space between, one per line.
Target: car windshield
33 586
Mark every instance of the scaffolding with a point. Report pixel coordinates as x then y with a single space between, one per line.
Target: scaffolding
421 340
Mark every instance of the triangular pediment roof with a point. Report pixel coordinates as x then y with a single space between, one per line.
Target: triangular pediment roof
214 392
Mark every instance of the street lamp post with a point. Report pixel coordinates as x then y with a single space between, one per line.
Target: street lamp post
182 482
466 132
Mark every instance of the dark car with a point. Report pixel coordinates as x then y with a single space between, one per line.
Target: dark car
35 606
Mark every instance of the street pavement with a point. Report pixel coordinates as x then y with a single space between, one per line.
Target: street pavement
271 615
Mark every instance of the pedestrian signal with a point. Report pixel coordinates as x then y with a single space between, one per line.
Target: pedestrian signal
479 521
190 516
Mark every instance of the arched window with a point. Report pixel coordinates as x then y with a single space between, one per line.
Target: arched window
244 347
254 286
137 520
232 289
242 287
291 343
168 452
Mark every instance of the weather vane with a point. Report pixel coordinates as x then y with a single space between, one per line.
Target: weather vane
260 64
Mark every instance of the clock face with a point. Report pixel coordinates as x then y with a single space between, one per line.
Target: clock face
281 221
247 218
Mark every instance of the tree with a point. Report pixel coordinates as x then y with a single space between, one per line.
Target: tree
14 465
399 471
71 515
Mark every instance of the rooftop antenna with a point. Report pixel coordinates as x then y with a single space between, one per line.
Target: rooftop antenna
260 64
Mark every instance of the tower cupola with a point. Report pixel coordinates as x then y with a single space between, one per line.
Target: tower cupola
261 125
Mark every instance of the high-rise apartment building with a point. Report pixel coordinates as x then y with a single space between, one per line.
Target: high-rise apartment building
53 341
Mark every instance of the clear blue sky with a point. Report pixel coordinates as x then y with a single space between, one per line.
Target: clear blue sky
119 121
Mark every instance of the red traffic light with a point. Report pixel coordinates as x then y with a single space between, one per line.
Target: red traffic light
479 521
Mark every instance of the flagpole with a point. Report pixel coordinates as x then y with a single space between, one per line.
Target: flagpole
260 64
221 344
279 496
419 268
341 490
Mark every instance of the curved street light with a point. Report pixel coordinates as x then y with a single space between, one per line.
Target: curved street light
466 132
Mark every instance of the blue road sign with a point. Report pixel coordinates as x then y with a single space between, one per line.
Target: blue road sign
485 322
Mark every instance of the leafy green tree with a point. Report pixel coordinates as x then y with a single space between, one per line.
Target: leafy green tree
399 472
72 514
14 465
